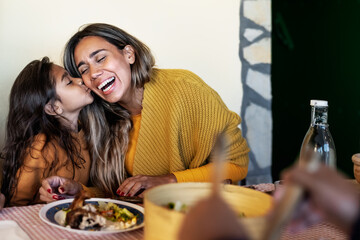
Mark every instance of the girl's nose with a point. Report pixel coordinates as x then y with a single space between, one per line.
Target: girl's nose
79 81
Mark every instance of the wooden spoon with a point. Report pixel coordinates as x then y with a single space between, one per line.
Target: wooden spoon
219 156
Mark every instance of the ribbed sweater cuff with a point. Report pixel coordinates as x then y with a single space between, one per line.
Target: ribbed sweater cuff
203 174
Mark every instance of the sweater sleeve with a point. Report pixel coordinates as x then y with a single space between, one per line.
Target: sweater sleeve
203 173
30 177
208 116
27 188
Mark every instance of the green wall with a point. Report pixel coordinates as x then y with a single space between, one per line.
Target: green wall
315 55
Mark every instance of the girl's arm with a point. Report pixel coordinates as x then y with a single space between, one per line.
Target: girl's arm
30 174
27 187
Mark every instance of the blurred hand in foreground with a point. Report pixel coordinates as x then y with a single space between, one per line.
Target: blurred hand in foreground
54 188
210 219
329 196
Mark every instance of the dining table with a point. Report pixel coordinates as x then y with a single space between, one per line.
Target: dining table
28 222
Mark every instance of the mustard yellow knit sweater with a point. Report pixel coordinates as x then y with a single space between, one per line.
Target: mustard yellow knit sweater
181 116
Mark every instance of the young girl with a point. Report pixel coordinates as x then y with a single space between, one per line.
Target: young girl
43 137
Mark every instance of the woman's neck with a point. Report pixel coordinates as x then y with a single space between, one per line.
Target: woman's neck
134 103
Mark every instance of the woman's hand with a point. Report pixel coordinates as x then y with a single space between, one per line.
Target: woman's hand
2 201
134 186
52 188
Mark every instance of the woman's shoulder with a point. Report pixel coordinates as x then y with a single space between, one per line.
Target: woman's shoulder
179 80
176 75
176 83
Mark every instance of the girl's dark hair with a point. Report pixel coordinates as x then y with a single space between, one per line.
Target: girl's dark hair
32 90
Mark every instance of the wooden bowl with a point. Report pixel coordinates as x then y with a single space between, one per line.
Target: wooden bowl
162 223
356 160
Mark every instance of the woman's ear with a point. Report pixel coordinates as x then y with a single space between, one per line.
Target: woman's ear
129 53
53 108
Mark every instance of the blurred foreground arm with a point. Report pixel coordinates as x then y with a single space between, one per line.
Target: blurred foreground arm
330 197
211 219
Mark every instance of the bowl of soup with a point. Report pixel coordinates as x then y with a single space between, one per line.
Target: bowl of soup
166 206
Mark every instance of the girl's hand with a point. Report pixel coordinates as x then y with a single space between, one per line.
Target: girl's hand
134 186
53 188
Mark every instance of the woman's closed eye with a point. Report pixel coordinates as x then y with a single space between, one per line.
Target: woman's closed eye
100 59
82 70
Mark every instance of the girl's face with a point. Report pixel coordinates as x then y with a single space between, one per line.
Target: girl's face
72 93
105 69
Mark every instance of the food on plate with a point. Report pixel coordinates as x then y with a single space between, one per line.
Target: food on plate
182 207
86 216
178 206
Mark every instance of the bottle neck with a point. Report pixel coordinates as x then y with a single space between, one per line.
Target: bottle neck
319 115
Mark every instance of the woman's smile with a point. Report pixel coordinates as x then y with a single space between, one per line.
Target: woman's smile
107 86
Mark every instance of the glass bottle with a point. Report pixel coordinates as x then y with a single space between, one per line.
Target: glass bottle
318 138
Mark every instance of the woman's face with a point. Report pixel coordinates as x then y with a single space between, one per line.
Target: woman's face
72 93
105 69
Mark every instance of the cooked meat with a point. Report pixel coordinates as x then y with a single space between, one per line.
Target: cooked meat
83 219
79 200
84 216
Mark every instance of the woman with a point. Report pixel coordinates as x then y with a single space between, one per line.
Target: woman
43 137
159 125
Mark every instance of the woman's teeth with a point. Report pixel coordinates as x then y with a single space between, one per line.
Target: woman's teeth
106 85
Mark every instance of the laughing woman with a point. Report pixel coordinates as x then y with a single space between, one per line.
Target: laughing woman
159 124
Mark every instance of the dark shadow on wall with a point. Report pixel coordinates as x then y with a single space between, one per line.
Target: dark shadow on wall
315 55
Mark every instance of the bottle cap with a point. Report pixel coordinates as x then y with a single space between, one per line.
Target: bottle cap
319 103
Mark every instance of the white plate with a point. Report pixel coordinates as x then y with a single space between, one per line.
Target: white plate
48 211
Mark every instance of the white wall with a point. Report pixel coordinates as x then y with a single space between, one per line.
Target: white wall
199 35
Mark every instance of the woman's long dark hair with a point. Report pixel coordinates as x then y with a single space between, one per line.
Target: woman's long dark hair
108 142
32 90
